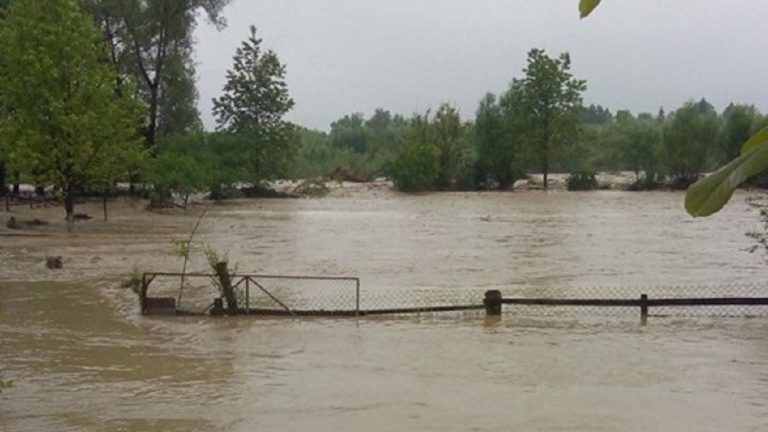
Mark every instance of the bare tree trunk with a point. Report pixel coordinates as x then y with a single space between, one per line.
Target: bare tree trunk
104 205
69 207
3 187
152 127
186 254
16 185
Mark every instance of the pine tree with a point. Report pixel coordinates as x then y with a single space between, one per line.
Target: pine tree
252 107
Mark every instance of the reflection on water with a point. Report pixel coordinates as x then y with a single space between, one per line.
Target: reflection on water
84 360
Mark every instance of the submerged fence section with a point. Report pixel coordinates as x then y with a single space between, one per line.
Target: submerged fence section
196 293
177 294
727 300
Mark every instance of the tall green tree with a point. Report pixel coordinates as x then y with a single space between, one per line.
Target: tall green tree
740 122
151 44
550 100
350 132
252 107
690 137
500 159
637 140
454 149
67 124
417 167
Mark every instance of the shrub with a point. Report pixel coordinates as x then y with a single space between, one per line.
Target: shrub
646 183
582 181
177 173
5 384
416 168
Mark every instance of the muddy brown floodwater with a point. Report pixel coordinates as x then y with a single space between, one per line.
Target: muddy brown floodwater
84 360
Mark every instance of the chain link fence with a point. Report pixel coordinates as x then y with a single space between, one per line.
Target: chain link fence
329 296
742 290
257 294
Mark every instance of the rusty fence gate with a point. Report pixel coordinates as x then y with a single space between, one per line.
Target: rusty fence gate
257 294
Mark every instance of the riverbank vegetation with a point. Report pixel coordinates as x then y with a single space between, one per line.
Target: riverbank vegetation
109 98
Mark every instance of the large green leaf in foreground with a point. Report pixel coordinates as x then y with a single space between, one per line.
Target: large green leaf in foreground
709 195
587 6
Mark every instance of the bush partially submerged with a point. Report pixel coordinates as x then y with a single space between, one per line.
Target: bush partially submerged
133 281
5 384
582 181
261 191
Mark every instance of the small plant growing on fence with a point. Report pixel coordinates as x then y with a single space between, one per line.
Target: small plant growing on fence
183 249
134 279
5 384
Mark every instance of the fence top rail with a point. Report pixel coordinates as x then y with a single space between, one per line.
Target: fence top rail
705 301
253 276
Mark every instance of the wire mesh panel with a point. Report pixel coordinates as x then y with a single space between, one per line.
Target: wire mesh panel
421 301
257 294
339 296
657 293
289 294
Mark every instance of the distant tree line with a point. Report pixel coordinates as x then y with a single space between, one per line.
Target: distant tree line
539 125
108 96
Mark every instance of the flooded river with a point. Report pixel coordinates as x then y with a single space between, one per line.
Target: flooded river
83 359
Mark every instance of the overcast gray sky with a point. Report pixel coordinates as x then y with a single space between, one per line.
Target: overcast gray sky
348 56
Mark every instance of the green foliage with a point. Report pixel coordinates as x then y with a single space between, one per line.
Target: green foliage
417 167
690 135
69 126
5 384
587 6
180 174
582 181
455 160
316 156
214 259
363 148
252 107
181 248
636 142
548 99
351 133
594 115
710 194
499 154
151 43
437 153
740 122
134 279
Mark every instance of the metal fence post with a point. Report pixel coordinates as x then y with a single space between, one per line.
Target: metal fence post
143 293
357 297
247 296
492 302
644 309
